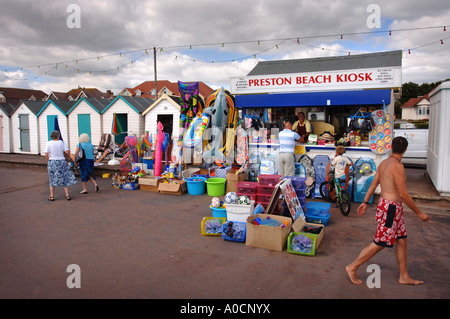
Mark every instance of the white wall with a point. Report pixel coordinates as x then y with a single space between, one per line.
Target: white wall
34 130
62 122
96 124
438 155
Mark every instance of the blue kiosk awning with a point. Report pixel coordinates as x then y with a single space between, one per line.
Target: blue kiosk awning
310 99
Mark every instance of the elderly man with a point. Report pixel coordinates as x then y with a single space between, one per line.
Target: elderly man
302 127
287 147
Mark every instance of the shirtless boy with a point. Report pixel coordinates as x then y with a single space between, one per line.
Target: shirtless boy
391 177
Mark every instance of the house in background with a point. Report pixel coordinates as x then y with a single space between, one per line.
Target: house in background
46 119
76 94
25 127
147 89
416 108
15 95
85 116
6 110
128 111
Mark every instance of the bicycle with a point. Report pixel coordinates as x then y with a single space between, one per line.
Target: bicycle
332 190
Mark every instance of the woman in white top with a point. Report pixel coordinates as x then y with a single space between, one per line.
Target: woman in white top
59 172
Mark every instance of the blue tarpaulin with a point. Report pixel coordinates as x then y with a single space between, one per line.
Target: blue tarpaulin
308 99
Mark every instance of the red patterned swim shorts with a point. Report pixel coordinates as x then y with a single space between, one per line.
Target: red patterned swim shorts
391 225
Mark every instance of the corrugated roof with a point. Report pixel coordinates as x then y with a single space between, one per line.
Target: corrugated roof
360 61
139 103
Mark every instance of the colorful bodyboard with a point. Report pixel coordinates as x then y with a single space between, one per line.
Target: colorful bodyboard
320 163
310 174
241 146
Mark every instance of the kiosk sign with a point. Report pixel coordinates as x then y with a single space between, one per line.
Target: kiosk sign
389 77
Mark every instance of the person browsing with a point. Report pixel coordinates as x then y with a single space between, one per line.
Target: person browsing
339 163
287 147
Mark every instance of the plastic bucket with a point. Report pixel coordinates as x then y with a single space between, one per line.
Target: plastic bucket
195 185
215 186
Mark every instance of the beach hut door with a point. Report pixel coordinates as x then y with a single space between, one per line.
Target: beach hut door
1 132
24 128
84 124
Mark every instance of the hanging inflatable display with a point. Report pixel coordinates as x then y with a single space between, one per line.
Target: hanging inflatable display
191 104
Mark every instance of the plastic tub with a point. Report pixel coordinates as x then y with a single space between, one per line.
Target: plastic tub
239 213
234 232
195 185
297 182
219 212
212 226
291 248
215 186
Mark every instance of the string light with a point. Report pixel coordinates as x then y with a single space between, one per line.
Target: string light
297 40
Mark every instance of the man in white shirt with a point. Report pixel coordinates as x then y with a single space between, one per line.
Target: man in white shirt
287 139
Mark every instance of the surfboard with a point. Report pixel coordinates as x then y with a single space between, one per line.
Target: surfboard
364 169
320 163
310 174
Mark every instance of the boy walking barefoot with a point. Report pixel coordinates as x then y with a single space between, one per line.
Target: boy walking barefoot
391 229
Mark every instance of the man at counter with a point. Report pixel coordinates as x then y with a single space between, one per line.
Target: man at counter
302 127
287 147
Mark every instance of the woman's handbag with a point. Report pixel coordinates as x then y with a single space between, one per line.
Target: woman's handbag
81 156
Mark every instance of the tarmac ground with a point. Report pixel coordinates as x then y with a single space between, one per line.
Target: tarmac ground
146 245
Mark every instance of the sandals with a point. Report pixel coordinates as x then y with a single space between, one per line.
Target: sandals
96 188
51 198
68 198
83 192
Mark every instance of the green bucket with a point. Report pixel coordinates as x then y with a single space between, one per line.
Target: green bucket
215 186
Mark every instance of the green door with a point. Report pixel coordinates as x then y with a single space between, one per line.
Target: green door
84 124
24 128
122 118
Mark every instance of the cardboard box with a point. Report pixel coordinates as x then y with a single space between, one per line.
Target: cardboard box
298 225
149 183
177 188
268 237
233 179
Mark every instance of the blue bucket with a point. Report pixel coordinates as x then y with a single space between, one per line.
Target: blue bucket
196 185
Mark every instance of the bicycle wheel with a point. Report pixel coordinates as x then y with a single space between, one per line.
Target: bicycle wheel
345 203
326 190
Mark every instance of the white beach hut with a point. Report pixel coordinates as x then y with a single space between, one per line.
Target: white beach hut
128 111
25 127
166 110
85 117
6 110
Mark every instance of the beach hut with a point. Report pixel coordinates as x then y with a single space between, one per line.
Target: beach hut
6 110
46 119
85 117
25 127
128 111
166 110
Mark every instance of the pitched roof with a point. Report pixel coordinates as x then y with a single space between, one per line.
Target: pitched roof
138 104
8 108
97 104
35 106
63 106
371 60
15 95
415 100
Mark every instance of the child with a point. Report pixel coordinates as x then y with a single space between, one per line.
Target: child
340 162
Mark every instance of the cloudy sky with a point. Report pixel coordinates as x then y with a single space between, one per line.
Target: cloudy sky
53 46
